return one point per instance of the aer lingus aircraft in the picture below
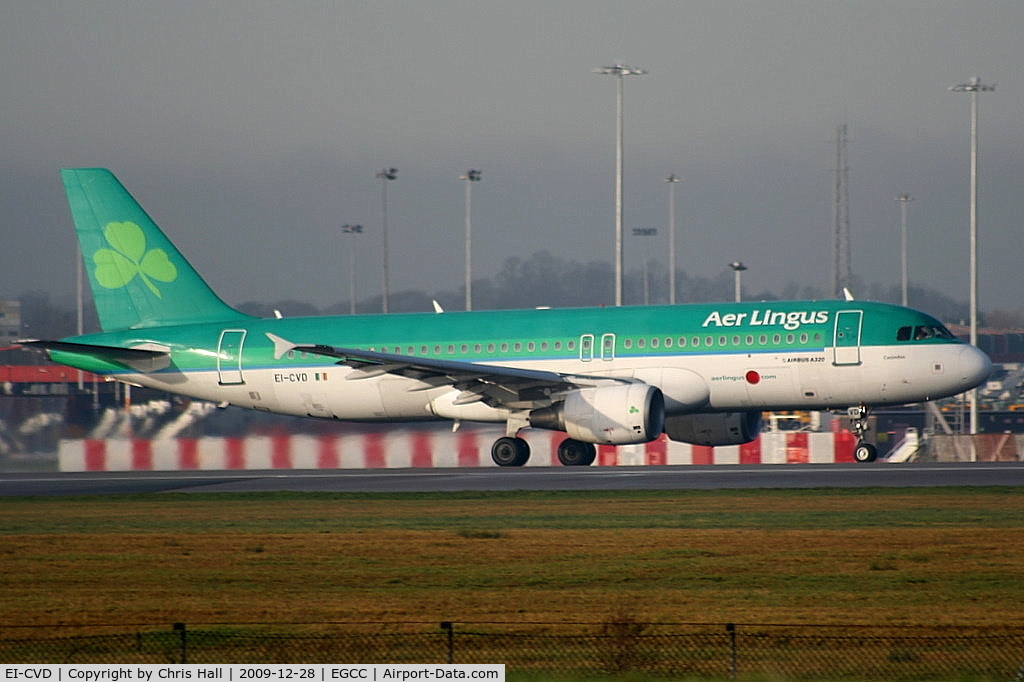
(701, 374)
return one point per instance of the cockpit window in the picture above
(932, 332)
(924, 332)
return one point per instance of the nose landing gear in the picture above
(862, 452)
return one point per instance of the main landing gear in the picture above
(862, 452)
(512, 451)
(576, 453)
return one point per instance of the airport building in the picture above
(10, 322)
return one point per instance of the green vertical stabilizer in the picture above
(138, 278)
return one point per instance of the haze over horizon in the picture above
(251, 131)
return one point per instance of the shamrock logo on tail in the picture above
(117, 267)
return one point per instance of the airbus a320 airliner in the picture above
(701, 374)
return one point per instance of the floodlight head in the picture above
(973, 85)
(738, 266)
(620, 70)
(673, 178)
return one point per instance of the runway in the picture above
(526, 478)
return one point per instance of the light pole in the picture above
(384, 175)
(619, 71)
(352, 230)
(646, 232)
(737, 268)
(903, 199)
(974, 86)
(79, 297)
(672, 181)
(470, 177)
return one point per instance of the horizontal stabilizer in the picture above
(281, 346)
(149, 359)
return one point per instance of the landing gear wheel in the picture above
(576, 453)
(865, 452)
(510, 452)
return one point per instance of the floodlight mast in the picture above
(672, 181)
(619, 71)
(974, 86)
(384, 175)
(470, 177)
(737, 269)
(352, 230)
(904, 285)
(646, 232)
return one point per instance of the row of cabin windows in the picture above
(711, 341)
(904, 334)
(628, 344)
(516, 347)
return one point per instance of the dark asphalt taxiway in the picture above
(526, 478)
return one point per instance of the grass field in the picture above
(915, 557)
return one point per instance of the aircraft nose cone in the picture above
(975, 367)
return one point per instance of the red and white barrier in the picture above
(402, 448)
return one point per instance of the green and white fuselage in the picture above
(847, 354)
(700, 373)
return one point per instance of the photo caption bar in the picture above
(198, 672)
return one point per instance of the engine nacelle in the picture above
(612, 415)
(720, 428)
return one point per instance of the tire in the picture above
(576, 453)
(865, 452)
(510, 452)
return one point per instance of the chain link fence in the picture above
(622, 648)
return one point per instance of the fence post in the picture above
(180, 627)
(450, 627)
(731, 629)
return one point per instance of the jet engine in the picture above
(613, 415)
(719, 428)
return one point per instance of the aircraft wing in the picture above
(494, 385)
(143, 359)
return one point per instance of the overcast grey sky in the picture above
(252, 129)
